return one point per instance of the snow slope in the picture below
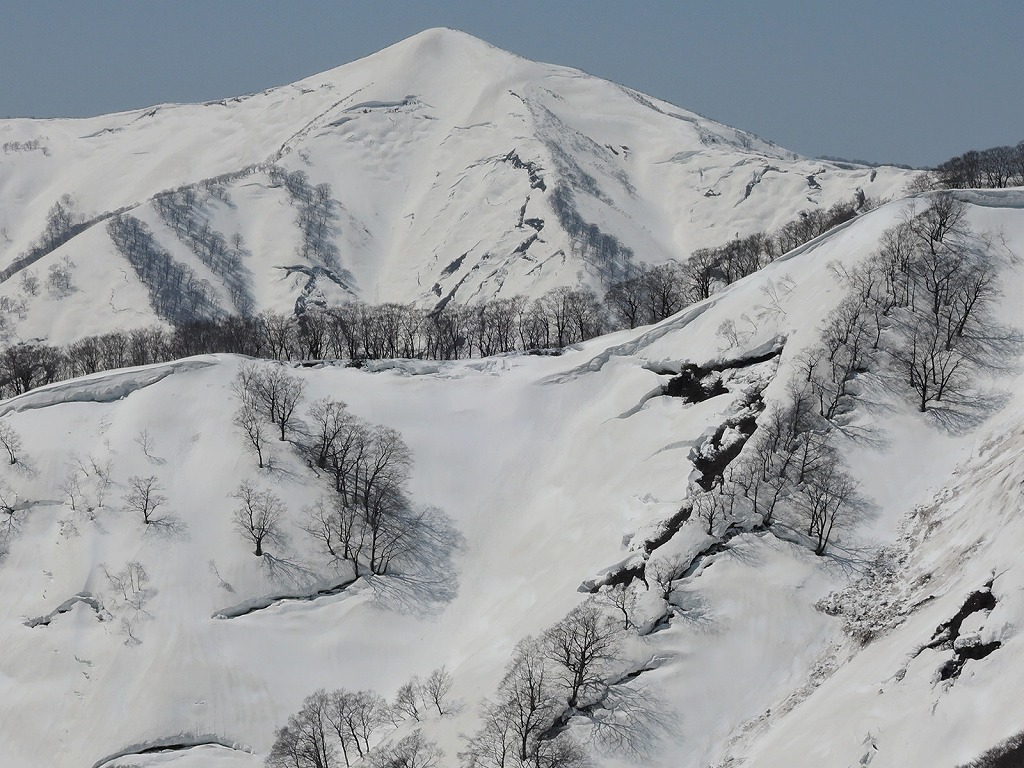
(456, 170)
(550, 470)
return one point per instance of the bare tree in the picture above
(412, 751)
(356, 717)
(11, 441)
(145, 441)
(829, 494)
(582, 645)
(9, 518)
(285, 392)
(408, 698)
(710, 509)
(623, 599)
(271, 389)
(144, 496)
(436, 688)
(663, 572)
(259, 515)
(305, 741)
(516, 727)
(248, 420)
(130, 586)
(329, 420)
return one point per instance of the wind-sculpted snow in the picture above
(205, 749)
(636, 345)
(992, 198)
(262, 603)
(104, 387)
(82, 598)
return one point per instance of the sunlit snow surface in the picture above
(547, 466)
(457, 170)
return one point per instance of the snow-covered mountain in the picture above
(900, 647)
(453, 170)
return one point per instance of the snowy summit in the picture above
(453, 409)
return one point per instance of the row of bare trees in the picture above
(316, 215)
(186, 212)
(995, 167)
(921, 304)
(359, 331)
(923, 300)
(176, 292)
(63, 221)
(368, 520)
(652, 294)
(548, 680)
(567, 670)
(350, 727)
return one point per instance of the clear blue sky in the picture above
(911, 81)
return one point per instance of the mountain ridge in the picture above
(454, 171)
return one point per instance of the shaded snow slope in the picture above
(551, 471)
(455, 170)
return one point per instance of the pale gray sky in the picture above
(909, 81)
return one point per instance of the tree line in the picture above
(995, 167)
(357, 331)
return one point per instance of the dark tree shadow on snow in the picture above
(631, 722)
(961, 413)
(426, 578)
(290, 571)
(167, 526)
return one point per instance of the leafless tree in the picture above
(11, 441)
(710, 509)
(626, 301)
(305, 741)
(282, 393)
(329, 420)
(516, 727)
(663, 572)
(145, 441)
(58, 279)
(130, 586)
(144, 497)
(622, 598)
(259, 515)
(29, 282)
(412, 751)
(665, 291)
(356, 717)
(249, 420)
(829, 493)
(272, 389)
(9, 518)
(436, 688)
(582, 645)
(408, 699)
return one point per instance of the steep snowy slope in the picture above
(453, 170)
(547, 472)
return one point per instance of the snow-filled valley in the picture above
(142, 630)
